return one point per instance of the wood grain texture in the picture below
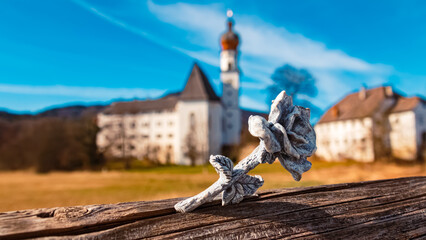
(384, 209)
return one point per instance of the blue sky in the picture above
(91, 51)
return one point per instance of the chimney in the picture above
(388, 91)
(362, 93)
(335, 111)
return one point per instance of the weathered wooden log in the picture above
(384, 209)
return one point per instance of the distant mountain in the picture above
(61, 112)
(12, 116)
(72, 111)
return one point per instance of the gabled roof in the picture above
(406, 104)
(198, 87)
(353, 106)
(137, 106)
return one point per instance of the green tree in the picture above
(298, 83)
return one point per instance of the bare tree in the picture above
(194, 147)
(191, 147)
(117, 138)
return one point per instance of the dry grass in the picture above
(23, 190)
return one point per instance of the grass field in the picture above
(23, 190)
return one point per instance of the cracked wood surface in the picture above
(384, 209)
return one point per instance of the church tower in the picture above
(230, 76)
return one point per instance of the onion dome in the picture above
(229, 40)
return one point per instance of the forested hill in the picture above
(56, 139)
(10, 116)
(61, 112)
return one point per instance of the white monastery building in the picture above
(371, 125)
(180, 128)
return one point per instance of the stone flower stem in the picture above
(243, 167)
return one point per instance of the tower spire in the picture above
(229, 13)
(230, 76)
(229, 40)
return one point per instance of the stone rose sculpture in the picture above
(287, 135)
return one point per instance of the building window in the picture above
(158, 135)
(170, 135)
(159, 123)
(171, 123)
(132, 125)
(144, 136)
(145, 124)
(192, 120)
(229, 126)
(131, 146)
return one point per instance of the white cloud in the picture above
(116, 21)
(264, 47)
(95, 93)
(249, 103)
(260, 39)
(202, 20)
(254, 85)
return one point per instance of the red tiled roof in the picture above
(138, 106)
(353, 106)
(406, 104)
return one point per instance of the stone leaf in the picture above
(223, 166)
(245, 186)
(250, 184)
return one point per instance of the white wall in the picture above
(215, 128)
(348, 139)
(420, 112)
(139, 134)
(228, 60)
(407, 132)
(201, 111)
(162, 135)
(403, 135)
